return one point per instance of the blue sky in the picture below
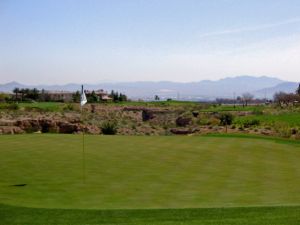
(63, 41)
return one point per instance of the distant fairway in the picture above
(132, 172)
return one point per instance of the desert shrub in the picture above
(109, 127)
(257, 111)
(10, 106)
(203, 121)
(225, 119)
(250, 122)
(4, 97)
(68, 107)
(285, 132)
(283, 129)
(297, 136)
(214, 121)
(294, 131)
(207, 120)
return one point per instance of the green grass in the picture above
(254, 136)
(290, 118)
(44, 106)
(224, 108)
(157, 103)
(220, 216)
(54, 105)
(149, 180)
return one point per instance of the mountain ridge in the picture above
(202, 90)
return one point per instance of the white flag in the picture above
(82, 97)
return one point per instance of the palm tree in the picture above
(16, 91)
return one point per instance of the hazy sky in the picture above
(63, 41)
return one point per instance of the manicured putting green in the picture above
(132, 172)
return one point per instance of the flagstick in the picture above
(83, 156)
(83, 147)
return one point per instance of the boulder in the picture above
(29, 125)
(48, 125)
(68, 128)
(195, 113)
(7, 122)
(147, 114)
(133, 108)
(92, 129)
(10, 130)
(183, 121)
(181, 131)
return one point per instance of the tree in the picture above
(93, 97)
(282, 98)
(44, 96)
(247, 97)
(4, 97)
(118, 97)
(226, 119)
(76, 96)
(122, 98)
(298, 90)
(156, 98)
(23, 92)
(32, 94)
(279, 98)
(16, 91)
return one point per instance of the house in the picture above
(101, 94)
(106, 98)
(59, 96)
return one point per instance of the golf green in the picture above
(143, 172)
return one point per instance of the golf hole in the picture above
(19, 185)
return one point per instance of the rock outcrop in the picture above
(183, 121)
(46, 126)
(182, 131)
(10, 130)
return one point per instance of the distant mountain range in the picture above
(203, 90)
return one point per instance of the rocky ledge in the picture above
(45, 126)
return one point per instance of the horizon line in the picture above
(146, 81)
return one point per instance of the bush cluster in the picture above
(109, 127)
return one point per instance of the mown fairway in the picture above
(148, 173)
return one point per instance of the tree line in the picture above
(94, 98)
(34, 94)
(286, 99)
(244, 100)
